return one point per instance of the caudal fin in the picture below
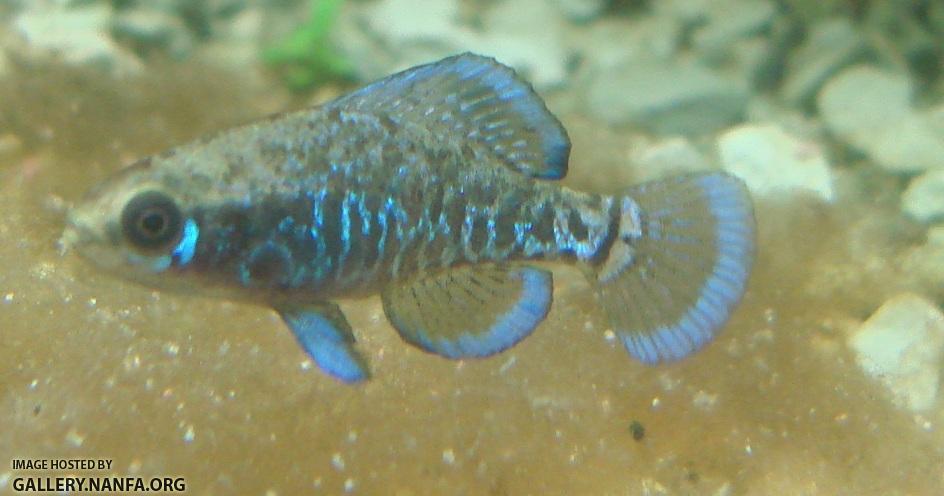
(679, 265)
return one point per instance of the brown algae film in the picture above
(436, 188)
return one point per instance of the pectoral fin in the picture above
(471, 311)
(324, 333)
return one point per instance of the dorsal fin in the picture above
(478, 100)
(469, 311)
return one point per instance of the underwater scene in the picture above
(497, 247)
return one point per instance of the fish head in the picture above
(137, 224)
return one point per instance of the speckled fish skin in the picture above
(402, 188)
(334, 204)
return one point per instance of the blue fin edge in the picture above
(511, 88)
(517, 323)
(331, 348)
(730, 206)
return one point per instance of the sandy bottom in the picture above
(219, 393)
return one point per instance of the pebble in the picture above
(189, 435)
(830, 46)
(386, 36)
(771, 161)
(154, 29)
(924, 198)
(923, 265)
(689, 12)
(526, 35)
(752, 60)
(667, 157)
(581, 10)
(731, 21)
(901, 345)
(75, 438)
(337, 461)
(237, 43)
(862, 100)
(704, 400)
(79, 35)
(413, 20)
(935, 117)
(936, 236)
(870, 110)
(412, 32)
(908, 145)
(666, 97)
(642, 37)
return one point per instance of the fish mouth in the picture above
(73, 235)
(68, 239)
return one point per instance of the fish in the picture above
(438, 189)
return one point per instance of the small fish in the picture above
(434, 187)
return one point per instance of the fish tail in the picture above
(678, 265)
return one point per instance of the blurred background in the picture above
(826, 380)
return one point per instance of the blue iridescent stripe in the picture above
(185, 249)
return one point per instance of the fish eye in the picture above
(151, 221)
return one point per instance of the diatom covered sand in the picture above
(219, 393)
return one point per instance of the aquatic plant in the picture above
(308, 57)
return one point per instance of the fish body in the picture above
(435, 188)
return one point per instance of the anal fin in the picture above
(470, 311)
(324, 333)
